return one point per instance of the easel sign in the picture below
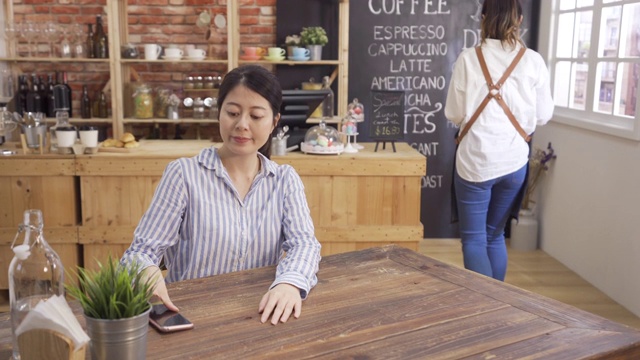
(387, 117)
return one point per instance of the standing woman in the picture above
(233, 209)
(497, 109)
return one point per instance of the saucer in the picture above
(171, 58)
(197, 58)
(250, 57)
(302, 58)
(280, 58)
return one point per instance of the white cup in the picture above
(196, 53)
(173, 53)
(66, 138)
(89, 138)
(152, 51)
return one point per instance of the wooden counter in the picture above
(357, 200)
(48, 183)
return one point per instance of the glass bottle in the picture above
(327, 104)
(198, 108)
(90, 44)
(100, 41)
(23, 89)
(35, 273)
(68, 93)
(103, 110)
(62, 107)
(51, 100)
(34, 101)
(85, 103)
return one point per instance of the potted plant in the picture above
(291, 41)
(314, 38)
(116, 304)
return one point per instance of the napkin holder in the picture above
(47, 344)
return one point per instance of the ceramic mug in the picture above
(252, 51)
(300, 52)
(276, 52)
(196, 53)
(66, 136)
(173, 53)
(189, 47)
(89, 136)
(152, 51)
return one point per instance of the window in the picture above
(593, 49)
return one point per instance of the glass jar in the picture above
(188, 82)
(35, 273)
(322, 139)
(198, 82)
(198, 108)
(208, 82)
(142, 102)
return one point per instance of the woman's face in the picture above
(246, 121)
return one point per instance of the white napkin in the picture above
(55, 314)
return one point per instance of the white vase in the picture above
(315, 52)
(524, 233)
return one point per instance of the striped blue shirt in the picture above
(200, 225)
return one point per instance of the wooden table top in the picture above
(383, 303)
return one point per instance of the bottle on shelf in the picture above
(62, 107)
(91, 53)
(50, 98)
(68, 93)
(42, 88)
(34, 100)
(35, 273)
(100, 41)
(85, 104)
(327, 104)
(23, 90)
(103, 109)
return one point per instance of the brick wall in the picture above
(149, 21)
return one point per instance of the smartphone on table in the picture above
(166, 320)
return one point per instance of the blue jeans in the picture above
(483, 210)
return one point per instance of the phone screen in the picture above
(166, 320)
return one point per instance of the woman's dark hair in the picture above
(259, 80)
(501, 21)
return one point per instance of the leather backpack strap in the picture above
(494, 93)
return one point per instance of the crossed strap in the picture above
(494, 93)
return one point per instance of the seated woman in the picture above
(232, 209)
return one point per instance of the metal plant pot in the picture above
(315, 52)
(122, 339)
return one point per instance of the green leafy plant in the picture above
(313, 35)
(114, 291)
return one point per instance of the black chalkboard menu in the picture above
(411, 46)
(387, 115)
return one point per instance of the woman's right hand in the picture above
(159, 286)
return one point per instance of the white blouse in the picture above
(493, 147)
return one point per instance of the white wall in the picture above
(589, 209)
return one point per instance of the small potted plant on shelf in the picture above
(291, 42)
(115, 300)
(314, 38)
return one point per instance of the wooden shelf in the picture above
(87, 121)
(291, 62)
(54, 60)
(161, 61)
(169, 121)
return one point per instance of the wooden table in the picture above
(383, 303)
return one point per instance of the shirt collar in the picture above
(497, 44)
(209, 159)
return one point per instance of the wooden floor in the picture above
(540, 273)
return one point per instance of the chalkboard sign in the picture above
(411, 46)
(387, 115)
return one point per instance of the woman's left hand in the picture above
(282, 300)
